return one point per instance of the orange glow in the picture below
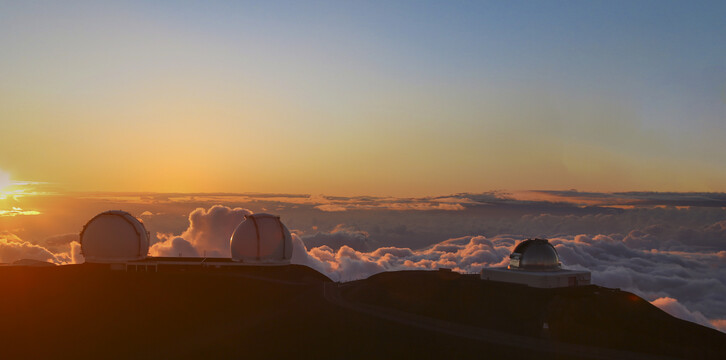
(11, 192)
(584, 200)
(15, 211)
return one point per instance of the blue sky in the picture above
(367, 97)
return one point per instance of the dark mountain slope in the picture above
(272, 312)
(586, 315)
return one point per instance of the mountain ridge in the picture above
(87, 311)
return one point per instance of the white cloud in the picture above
(696, 279)
(208, 233)
(466, 254)
(673, 307)
(13, 248)
(76, 256)
(339, 236)
(172, 246)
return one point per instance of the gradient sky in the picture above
(384, 98)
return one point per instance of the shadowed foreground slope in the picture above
(593, 317)
(271, 312)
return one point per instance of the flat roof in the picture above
(185, 259)
(536, 273)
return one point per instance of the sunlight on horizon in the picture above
(10, 193)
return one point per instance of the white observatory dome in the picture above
(114, 236)
(261, 238)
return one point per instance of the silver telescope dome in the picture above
(534, 254)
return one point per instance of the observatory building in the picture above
(535, 263)
(114, 237)
(261, 239)
(120, 241)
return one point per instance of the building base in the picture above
(537, 279)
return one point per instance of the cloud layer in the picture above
(62, 250)
(208, 234)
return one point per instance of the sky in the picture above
(405, 98)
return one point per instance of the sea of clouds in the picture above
(673, 255)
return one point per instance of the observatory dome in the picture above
(261, 238)
(114, 236)
(534, 254)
